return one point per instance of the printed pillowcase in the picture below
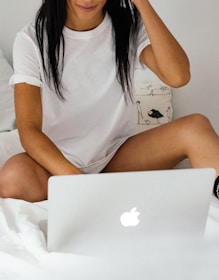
(153, 105)
(7, 114)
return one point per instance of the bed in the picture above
(23, 251)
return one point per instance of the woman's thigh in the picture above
(165, 146)
(23, 178)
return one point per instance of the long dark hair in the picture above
(50, 21)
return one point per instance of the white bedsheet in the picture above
(23, 253)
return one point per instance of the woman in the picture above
(74, 102)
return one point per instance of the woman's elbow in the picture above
(180, 79)
(27, 138)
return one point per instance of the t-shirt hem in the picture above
(16, 79)
(98, 166)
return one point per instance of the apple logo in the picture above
(130, 218)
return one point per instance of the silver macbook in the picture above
(121, 212)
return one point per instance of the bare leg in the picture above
(167, 145)
(159, 148)
(21, 177)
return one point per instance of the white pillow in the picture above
(7, 114)
(153, 104)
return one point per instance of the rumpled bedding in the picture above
(23, 253)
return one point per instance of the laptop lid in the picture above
(100, 213)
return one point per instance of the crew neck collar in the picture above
(84, 34)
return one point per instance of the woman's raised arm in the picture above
(165, 57)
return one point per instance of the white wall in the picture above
(195, 24)
(14, 14)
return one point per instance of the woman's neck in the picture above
(76, 24)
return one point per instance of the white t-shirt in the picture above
(94, 120)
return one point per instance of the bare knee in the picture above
(196, 119)
(9, 183)
(194, 126)
(194, 133)
(22, 178)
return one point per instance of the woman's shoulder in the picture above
(28, 31)
(26, 36)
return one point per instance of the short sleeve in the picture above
(26, 59)
(142, 42)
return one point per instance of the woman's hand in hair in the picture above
(165, 57)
